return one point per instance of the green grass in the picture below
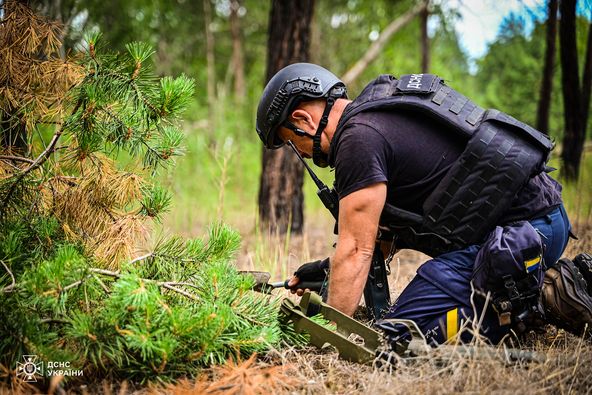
(577, 196)
(218, 178)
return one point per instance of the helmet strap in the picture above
(297, 131)
(318, 156)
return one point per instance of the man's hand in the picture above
(359, 213)
(311, 272)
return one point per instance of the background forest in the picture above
(222, 44)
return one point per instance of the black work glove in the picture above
(313, 271)
(310, 275)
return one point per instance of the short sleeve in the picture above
(362, 159)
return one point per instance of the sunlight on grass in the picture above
(577, 195)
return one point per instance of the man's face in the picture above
(302, 143)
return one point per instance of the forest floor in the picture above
(566, 369)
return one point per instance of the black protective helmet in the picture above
(290, 86)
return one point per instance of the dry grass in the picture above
(566, 370)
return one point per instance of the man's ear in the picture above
(305, 118)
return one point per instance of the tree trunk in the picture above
(238, 63)
(425, 40)
(573, 139)
(280, 195)
(587, 80)
(374, 50)
(544, 105)
(316, 43)
(211, 66)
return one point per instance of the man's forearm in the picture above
(347, 279)
(359, 213)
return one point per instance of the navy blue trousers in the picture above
(438, 298)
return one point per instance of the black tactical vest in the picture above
(500, 157)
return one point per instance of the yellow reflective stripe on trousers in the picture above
(451, 323)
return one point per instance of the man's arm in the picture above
(359, 213)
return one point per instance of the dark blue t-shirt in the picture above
(411, 153)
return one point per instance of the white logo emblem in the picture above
(30, 369)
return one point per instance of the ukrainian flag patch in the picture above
(532, 264)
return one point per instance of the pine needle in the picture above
(117, 243)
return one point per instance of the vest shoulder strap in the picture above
(424, 93)
(429, 95)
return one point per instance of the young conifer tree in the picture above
(72, 216)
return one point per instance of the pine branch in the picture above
(156, 201)
(165, 256)
(135, 87)
(8, 288)
(74, 284)
(251, 320)
(154, 152)
(37, 162)
(17, 158)
(184, 293)
(166, 284)
(106, 272)
(150, 150)
(141, 258)
(14, 167)
(102, 284)
(178, 283)
(43, 156)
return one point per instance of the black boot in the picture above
(566, 300)
(584, 264)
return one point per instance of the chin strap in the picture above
(319, 157)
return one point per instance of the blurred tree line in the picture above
(224, 45)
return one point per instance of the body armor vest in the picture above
(500, 157)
